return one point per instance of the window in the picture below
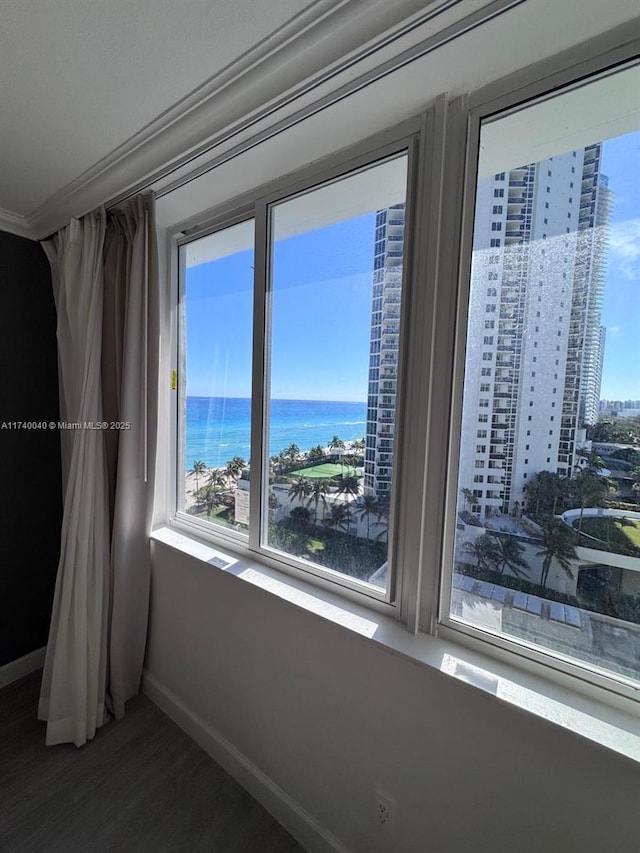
(341, 499)
(215, 435)
(327, 436)
(304, 474)
(566, 592)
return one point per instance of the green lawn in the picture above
(325, 471)
(334, 549)
(221, 515)
(612, 530)
(632, 532)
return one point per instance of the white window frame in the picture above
(411, 138)
(538, 83)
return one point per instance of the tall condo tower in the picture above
(383, 353)
(535, 343)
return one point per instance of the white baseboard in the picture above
(25, 665)
(304, 828)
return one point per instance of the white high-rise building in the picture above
(535, 344)
(383, 352)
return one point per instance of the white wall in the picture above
(327, 715)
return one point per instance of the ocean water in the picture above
(219, 428)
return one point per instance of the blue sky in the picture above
(621, 302)
(322, 305)
(322, 284)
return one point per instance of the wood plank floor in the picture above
(141, 785)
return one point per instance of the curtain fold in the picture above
(105, 276)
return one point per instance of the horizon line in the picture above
(279, 399)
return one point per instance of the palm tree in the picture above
(274, 503)
(283, 461)
(237, 465)
(486, 551)
(300, 489)
(590, 490)
(383, 518)
(337, 444)
(367, 507)
(216, 479)
(230, 472)
(338, 517)
(319, 488)
(293, 453)
(511, 552)
(349, 485)
(558, 540)
(315, 454)
(199, 468)
(467, 496)
(210, 496)
(350, 460)
(594, 462)
(358, 444)
(544, 491)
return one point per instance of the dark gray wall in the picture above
(30, 487)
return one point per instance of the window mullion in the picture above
(259, 372)
(445, 214)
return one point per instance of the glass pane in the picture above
(547, 546)
(215, 382)
(336, 283)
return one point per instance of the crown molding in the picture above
(14, 223)
(318, 43)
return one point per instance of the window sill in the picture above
(590, 717)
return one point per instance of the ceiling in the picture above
(80, 77)
(86, 82)
(100, 96)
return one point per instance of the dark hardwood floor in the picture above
(141, 785)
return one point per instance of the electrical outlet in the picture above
(384, 810)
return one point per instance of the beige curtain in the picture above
(105, 278)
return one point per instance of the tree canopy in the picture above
(616, 430)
